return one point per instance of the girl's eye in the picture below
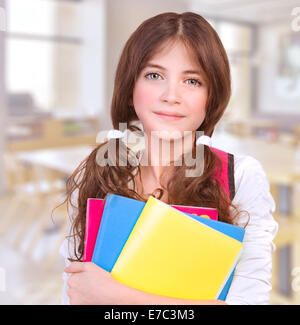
(196, 82)
(152, 74)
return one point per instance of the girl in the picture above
(173, 64)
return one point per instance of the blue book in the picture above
(119, 217)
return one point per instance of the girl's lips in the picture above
(169, 117)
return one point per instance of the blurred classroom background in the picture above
(57, 65)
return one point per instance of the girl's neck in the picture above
(160, 153)
(147, 182)
(156, 162)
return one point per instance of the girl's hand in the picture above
(89, 284)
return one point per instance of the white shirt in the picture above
(251, 283)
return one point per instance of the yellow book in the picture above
(171, 254)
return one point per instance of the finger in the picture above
(75, 267)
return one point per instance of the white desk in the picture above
(64, 160)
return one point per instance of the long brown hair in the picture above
(90, 180)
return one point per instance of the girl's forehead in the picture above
(168, 49)
(170, 45)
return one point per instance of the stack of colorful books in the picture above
(170, 250)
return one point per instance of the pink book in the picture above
(94, 211)
(210, 213)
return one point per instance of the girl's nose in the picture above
(171, 92)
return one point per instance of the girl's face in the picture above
(170, 84)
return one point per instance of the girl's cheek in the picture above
(144, 95)
(198, 103)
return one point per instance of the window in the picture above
(44, 52)
(45, 17)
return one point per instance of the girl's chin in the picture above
(165, 134)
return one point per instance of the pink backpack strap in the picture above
(226, 177)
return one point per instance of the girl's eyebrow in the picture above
(153, 65)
